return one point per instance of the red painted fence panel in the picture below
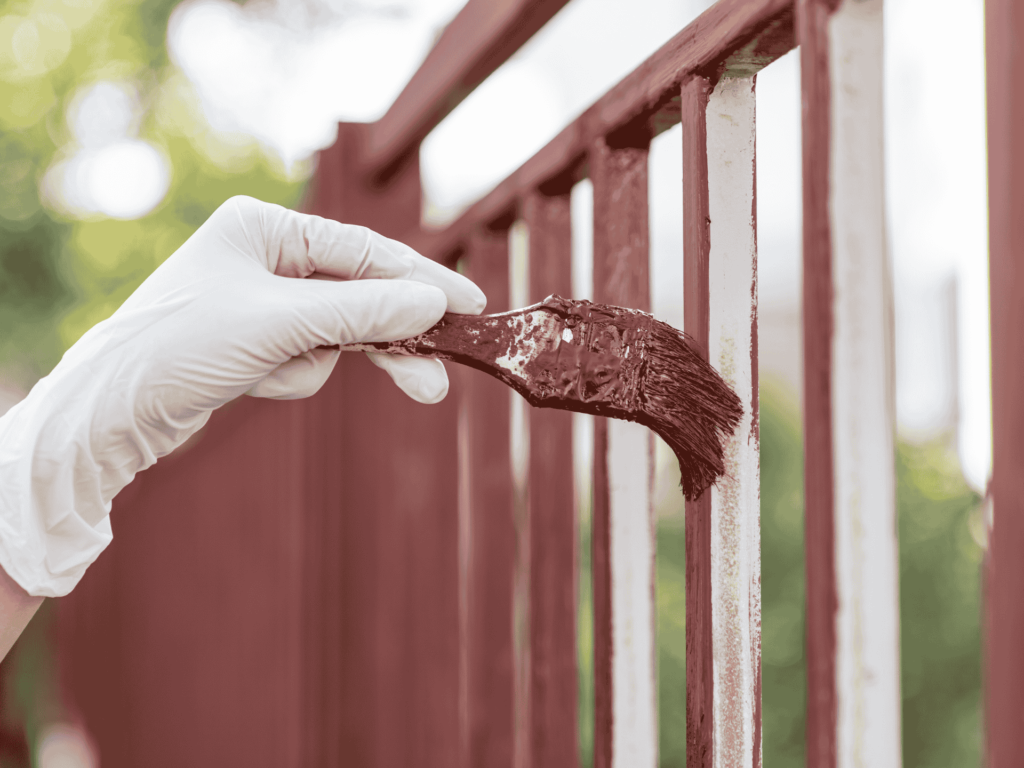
(178, 634)
(348, 598)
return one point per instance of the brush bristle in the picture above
(689, 405)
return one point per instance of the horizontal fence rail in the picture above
(732, 35)
(435, 604)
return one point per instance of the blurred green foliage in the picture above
(58, 275)
(940, 529)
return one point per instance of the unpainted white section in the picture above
(519, 435)
(465, 533)
(634, 682)
(863, 409)
(735, 499)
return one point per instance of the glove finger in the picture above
(301, 376)
(298, 315)
(292, 244)
(421, 378)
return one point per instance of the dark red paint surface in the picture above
(1004, 583)
(812, 30)
(172, 632)
(696, 252)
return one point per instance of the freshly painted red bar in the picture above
(1004, 662)
(621, 276)
(812, 34)
(553, 559)
(696, 252)
(491, 558)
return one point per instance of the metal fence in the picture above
(369, 619)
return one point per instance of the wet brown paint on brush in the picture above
(597, 359)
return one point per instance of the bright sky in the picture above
(285, 75)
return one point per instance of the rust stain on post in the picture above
(732, 344)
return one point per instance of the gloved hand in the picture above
(223, 316)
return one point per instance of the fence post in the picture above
(723, 563)
(625, 690)
(553, 557)
(489, 531)
(696, 254)
(386, 581)
(849, 420)
(732, 349)
(1004, 577)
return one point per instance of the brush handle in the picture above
(558, 353)
(509, 345)
(483, 341)
(454, 336)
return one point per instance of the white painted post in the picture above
(634, 672)
(735, 500)
(863, 410)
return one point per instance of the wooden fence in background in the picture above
(369, 619)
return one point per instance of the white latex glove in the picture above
(223, 316)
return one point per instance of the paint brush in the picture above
(598, 359)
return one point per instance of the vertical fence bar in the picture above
(491, 536)
(553, 680)
(819, 524)
(1004, 583)
(626, 728)
(853, 618)
(696, 255)
(735, 499)
(723, 560)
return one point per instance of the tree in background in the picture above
(61, 270)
